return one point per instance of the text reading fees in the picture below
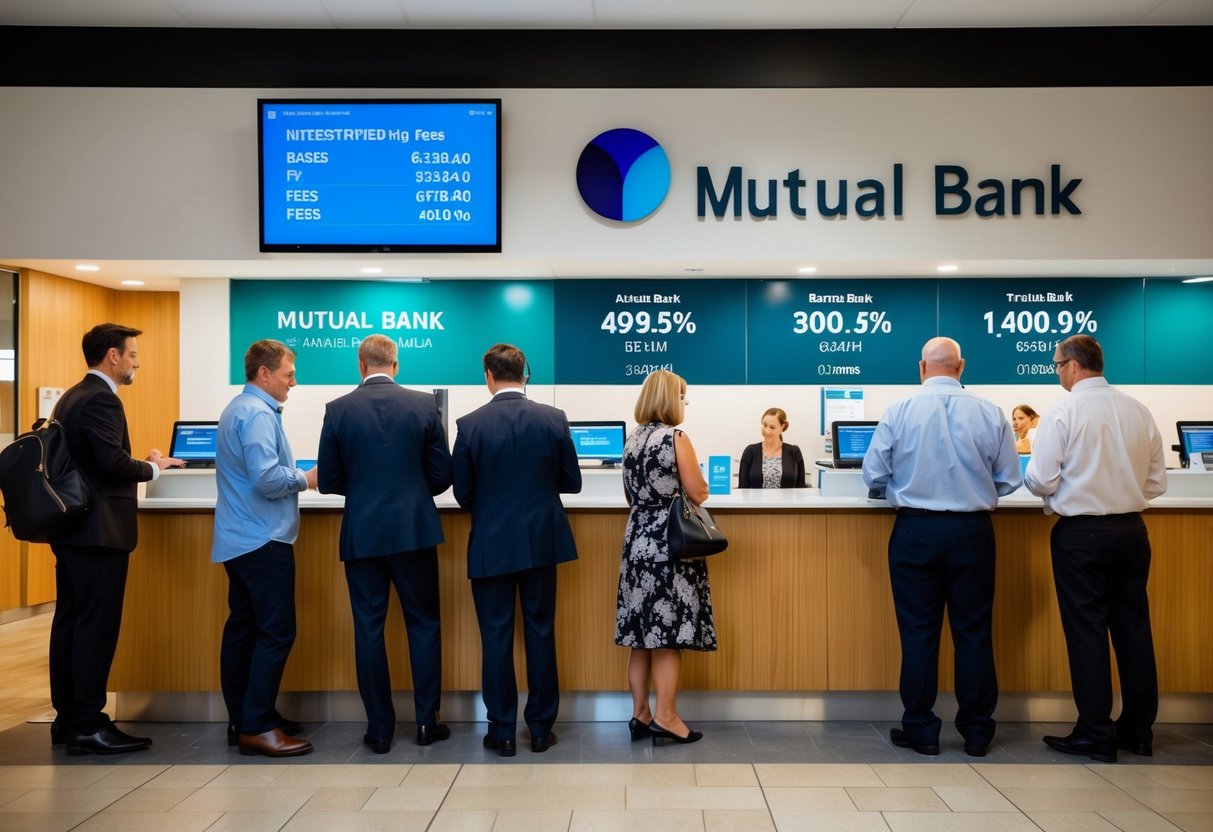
(1026, 322)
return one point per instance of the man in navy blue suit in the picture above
(384, 448)
(513, 459)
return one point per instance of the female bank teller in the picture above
(772, 463)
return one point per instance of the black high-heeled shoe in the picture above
(639, 729)
(660, 735)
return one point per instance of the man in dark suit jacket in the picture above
(91, 556)
(384, 448)
(513, 459)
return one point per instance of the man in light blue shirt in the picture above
(942, 458)
(256, 523)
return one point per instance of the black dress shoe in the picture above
(542, 744)
(1082, 746)
(975, 750)
(506, 748)
(638, 729)
(661, 735)
(427, 734)
(58, 733)
(1138, 747)
(899, 739)
(105, 740)
(377, 746)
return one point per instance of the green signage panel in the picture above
(1009, 328)
(1179, 339)
(442, 328)
(838, 331)
(619, 331)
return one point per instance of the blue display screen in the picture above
(853, 440)
(380, 175)
(1197, 439)
(194, 441)
(598, 441)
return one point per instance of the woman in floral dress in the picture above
(664, 604)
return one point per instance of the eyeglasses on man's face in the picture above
(1057, 365)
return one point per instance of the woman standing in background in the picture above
(772, 463)
(1023, 422)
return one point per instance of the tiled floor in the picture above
(742, 776)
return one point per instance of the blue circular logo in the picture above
(623, 175)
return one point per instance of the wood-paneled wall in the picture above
(55, 312)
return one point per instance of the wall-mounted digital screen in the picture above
(380, 176)
(600, 442)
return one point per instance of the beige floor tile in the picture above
(63, 800)
(248, 777)
(974, 799)
(1140, 822)
(795, 820)
(810, 799)
(577, 775)
(1192, 821)
(338, 799)
(52, 777)
(314, 777)
(888, 799)
(149, 800)
(1038, 799)
(694, 797)
(816, 774)
(954, 822)
(515, 820)
(251, 822)
(7, 795)
(1072, 822)
(437, 775)
(145, 822)
(1040, 776)
(130, 777)
(471, 820)
(359, 822)
(42, 822)
(214, 799)
(943, 774)
(686, 820)
(725, 775)
(738, 820)
(406, 799)
(1143, 777)
(185, 777)
(530, 798)
(1162, 800)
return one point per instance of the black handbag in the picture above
(44, 494)
(690, 531)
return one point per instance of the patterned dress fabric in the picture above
(662, 603)
(772, 471)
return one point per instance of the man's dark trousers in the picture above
(1101, 565)
(938, 560)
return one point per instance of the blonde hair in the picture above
(661, 399)
(377, 351)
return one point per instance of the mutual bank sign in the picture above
(956, 194)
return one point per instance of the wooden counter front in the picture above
(801, 598)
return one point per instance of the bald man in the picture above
(942, 458)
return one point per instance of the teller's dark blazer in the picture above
(383, 447)
(95, 423)
(513, 458)
(749, 473)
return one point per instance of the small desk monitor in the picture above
(598, 443)
(1195, 438)
(195, 442)
(850, 441)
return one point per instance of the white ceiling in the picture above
(591, 14)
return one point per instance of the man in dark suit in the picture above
(91, 556)
(513, 459)
(384, 448)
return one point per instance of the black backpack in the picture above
(44, 494)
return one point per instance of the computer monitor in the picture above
(599, 443)
(1195, 438)
(195, 442)
(850, 441)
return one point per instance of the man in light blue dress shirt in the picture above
(256, 523)
(942, 458)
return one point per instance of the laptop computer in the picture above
(849, 442)
(195, 442)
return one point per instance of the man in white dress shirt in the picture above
(1097, 461)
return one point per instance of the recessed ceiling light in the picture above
(372, 270)
(807, 269)
(1199, 280)
(132, 283)
(946, 268)
(86, 267)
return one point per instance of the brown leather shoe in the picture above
(273, 743)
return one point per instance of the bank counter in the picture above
(804, 613)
